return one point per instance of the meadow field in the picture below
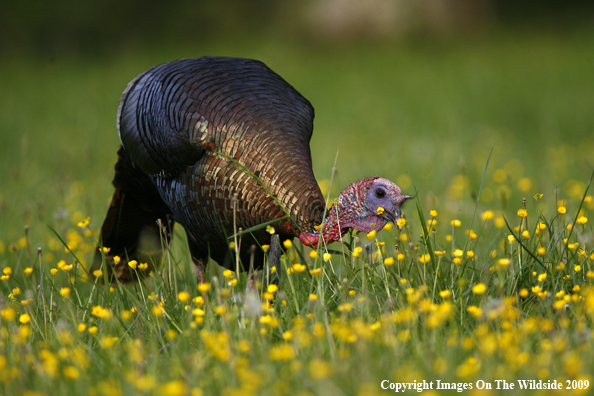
(487, 283)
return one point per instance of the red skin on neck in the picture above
(348, 212)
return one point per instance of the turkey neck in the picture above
(340, 217)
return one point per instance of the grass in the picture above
(467, 290)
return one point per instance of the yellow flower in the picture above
(270, 230)
(198, 312)
(71, 372)
(327, 257)
(108, 342)
(65, 292)
(281, 352)
(388, 226)
(445, 293)
(143, 266)
(288, 244)
(158, 311)
(456, 223)
(67, 267)
(425, 258)
(315, 271)
(475, 311)
(81, 327)
(479, 288)
(313, 254)
(536, 289)
(541, 251)
(487, 215)
(105, 250)
(504, 262)
(8, 314)
(7, 271)
(582, 220)
(401, 222)
(204, 287)
(358, 250)
(524, 184)
(525, 234)
(458, 253)
(511, 238)
(24, 318)
(400, 257)
(562, 209)
(524, 293)
(173, 388)
(93, 330)
(28, 271)
(538, 197)
(371, 234)
(84, 223)
(231, 245)
(313, 297)
(299, 267)
(116, 260)
(272, 288)
(577, 268)
(227, 274)
(470, 254)
(265, 248)
(319, 369)
(352, 292)
(54, 271)
(97, 273)
(133, 264)
(542, 277)
(433, 213)
(522, 213)
(389, 261)
(101, 312)
(380, 210)
(472, 235)
(183, 296)
(500, 222)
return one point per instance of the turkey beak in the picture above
(394, 214)
(402, 199)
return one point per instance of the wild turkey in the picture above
(189, 130)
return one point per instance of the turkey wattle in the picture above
(175, 119)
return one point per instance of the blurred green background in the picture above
(418, 92)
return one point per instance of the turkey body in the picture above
(188, 128)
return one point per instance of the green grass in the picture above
(425, 115)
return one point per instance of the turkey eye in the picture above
(380, 193)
